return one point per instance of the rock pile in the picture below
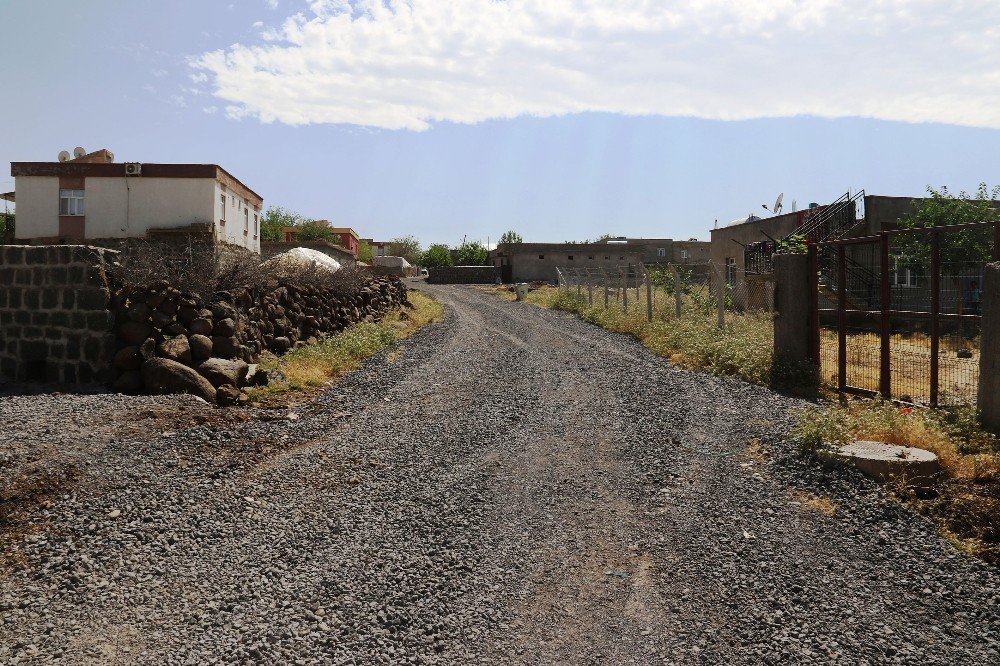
(175, 342)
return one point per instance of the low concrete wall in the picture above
(56, 322)
(989, 356)
(463, 275)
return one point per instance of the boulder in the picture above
(129, 382)
(161, 375)
(221, 371)
(281, 344)
(147, 349)
(134, 332)
(227, 395)
(225, 328)
(128, 358)
(224, 347)
(176, 349)
(174, 329)
(200, 326)
(201, 346)
(139, 312)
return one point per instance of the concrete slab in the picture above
(888, 461)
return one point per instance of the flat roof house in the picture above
(93, 198)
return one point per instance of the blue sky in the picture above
(562, 120)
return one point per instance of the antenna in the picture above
(794, 206)
(79, 151)
(777, 203)
(64, 156)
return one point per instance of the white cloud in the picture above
(258, 24)
(405, 64)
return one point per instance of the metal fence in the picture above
(672, 290)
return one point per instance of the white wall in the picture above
(236, 221)
(120, 207)
(37, 206)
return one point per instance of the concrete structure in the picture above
(888, 462)
(56, 323)
(463, 275)
(348, 239)
(989, 356)
(793, 345)
(95, 199)
(529, 262)
(397, 266)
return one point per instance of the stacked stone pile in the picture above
(176, 342)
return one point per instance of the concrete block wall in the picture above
(989, 355)
(463, 275)
(55, 321)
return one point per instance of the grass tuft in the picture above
(319, 364)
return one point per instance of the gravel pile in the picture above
(513, 486)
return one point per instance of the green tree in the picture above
(472, 254)
(510, 236)
(407, 247)
(435, 256)
(960, 249)
(365, 252)
(6, 228)
(274, 219)
(312, 231)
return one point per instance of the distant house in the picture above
(93, 198)
(526, 262)
(378, 247)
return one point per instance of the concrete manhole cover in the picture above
(889, 461)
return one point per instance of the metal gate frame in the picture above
(885, 313)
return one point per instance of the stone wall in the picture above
(463, 275)
(56, 323)
(989, 354)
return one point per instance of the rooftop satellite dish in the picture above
(64, 155)
(777, 203)
(79, 151)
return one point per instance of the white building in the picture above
(93, 198)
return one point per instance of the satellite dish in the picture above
(64, 155)
(79, 151)
(777, 203)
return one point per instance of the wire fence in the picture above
(677, 290)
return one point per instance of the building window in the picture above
(591, 257)
(731, 271)
(222, 207)
(684, 255)
(661, 251)
(246, 221)
(571, 257)
(902, 276)
(71, 202)
(607, 258)
(541, 256)
(256, 222)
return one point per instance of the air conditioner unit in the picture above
(133, 169)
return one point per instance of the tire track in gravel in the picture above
(515, 487)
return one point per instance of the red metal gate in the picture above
(897, 314)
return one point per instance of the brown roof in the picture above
(73, 169)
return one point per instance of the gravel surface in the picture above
(513, 486)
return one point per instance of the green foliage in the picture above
(472, 254)
(942, 209)
(435, 256)
(313, 231)
(407, 247)
(276, 217)
(365, 252)
(6, 227)
(510, 236)
(793, 244)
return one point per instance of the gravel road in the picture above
(511, 486)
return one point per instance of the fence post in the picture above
(885, 351)
(604, 279)
(793, 321)
(677, 291)
(989, 353)
(720, 300)
(649, 295)
(935, 313)
(624, 285)
(590, 288)
(841, 317)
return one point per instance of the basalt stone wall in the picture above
(56, 318)
(463, 275)
(175, 341)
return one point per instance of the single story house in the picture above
(92, 198)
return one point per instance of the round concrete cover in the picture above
(888, 460)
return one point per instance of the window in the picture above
(684, 255)
(591, 257)
(222, 208)
(731, 271)
(607, 258)
(246, 221)
(255, 225)
(661, 251)
(571, 257)
(71, 202)
(902, 276)
(541, 256)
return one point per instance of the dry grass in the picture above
(322, 363)
(810, 502)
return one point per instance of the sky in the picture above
(560, 119)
